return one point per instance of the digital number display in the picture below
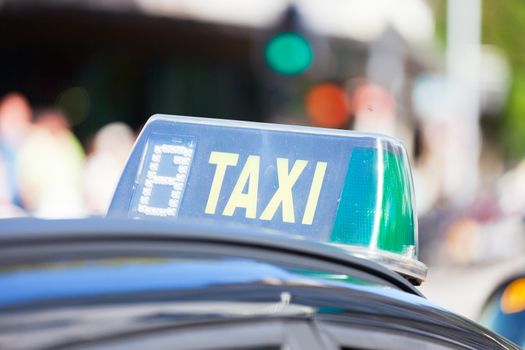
(162, 180)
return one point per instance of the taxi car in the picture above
(234, 235)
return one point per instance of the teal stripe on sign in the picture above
(355, 215)
(354, 221)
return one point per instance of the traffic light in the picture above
(288, 51)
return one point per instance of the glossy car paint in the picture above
(49, 267)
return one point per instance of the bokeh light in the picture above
(328, 106)
(74, 103)
(374, 109)
(289, 53)
(372, 100)
(513, 297)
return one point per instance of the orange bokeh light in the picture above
(328, 106)
(513, 297)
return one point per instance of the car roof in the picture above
(29, 232)
(390, 303)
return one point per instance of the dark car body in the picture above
(113, 284)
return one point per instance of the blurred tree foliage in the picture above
(503, 25)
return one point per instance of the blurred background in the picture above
(78, 79)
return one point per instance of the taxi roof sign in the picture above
(337, 187)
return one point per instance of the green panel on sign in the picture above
(376, 204)
(397, 224)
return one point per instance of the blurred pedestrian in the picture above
(50, 168)
(15, 125)
(104, 165)
(7, 208)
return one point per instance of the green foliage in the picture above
(513, 130)
(440, 11)
(504, 26)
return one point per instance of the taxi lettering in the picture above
(249, 178)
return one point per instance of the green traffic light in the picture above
(289, 53)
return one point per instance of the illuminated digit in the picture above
(181, 157)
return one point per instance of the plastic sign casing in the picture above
(338, 187)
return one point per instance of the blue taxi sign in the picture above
(338, 187)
